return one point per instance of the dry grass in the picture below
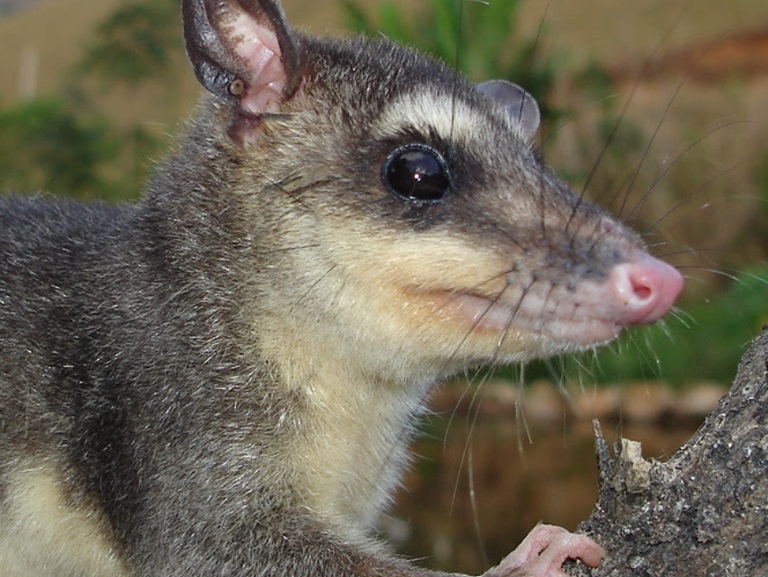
(614, 30)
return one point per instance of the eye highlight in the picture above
(417, 173)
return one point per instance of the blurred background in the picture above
(658, 109)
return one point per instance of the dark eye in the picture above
(417, 173)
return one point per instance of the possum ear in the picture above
(516, 102)
(243, 52)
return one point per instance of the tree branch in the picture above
(704, 512)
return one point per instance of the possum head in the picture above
(398, 214)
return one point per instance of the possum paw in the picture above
(543, 551)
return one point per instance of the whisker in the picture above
(317, 282)
(645, 67)
(646, 151)
(474, 411)
(689, 198)
(295, 193)
(521, 423)
(475, 513)
(297, 248)
(675, 161)
(532, 55)
(491, 303)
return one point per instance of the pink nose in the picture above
(646, 288)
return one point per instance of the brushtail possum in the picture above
(223, 378)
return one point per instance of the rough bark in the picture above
(704, 512)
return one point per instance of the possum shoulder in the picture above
(48, 252)
(49, 217)
(37, 226)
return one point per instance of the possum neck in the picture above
(354, 429)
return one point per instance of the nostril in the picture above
(643, 292)
(648, 288)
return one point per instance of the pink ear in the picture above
(242, 51)
(264, 76)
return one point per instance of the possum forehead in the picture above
(449, 117)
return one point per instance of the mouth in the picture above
(554, 320)
(568, 317)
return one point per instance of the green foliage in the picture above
(60, 145)
(47, 145)
(61, 151)
(476, 37)
(611, 143)
(137, 42)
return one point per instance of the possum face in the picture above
(447, 237)
(432, 238)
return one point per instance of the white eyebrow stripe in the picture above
(452, 119)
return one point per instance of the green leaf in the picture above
(135, 42)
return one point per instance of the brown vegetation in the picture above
(737, 56)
